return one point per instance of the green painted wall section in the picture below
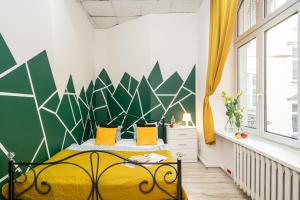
(151, 98)
(36, 123)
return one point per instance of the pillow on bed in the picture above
(118, 137)
(154, 124)
(106, 136)
(146, 135)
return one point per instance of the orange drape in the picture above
(222, 23)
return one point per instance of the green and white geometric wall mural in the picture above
(36, 123)
(150, 98)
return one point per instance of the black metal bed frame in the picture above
(172, 168)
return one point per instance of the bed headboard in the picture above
(127, 122)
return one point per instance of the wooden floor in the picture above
(202, 183)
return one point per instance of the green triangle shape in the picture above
(53, 102)
(99, 98)
(125, 80)
(155, 78)
(89, 92)
(104, 77)
(101, 115)
(84, 111)
(147, 97)
(183, 93)
(134, 112)
(135, 108)
(42, 155)
(122, 96)
(41, 77)
(78, 132)
(20, 115)
(171, 85)
(166, 100)
(83, 96)
(75, 107)
(191, 80)
(114, 108)
(16, 81)
(98, 84)
(65, 112)
(70, 86)
(86, 131)
(133, 85)
(68, 141)
(189, 105)
(6, 58)
(54, 130)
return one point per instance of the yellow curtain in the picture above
(222, 23)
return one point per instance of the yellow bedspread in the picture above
(119, 182)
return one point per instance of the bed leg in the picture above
(11, 179)
(179, 182)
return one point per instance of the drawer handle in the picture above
(182, 144)
(182, 134)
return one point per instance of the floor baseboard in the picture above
(207, 165)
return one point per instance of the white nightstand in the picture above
(184, 140)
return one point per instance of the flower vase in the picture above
(230, 126)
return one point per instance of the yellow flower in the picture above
(239, 94)
(223, 94)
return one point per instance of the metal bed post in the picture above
(11, 179)
(179, 181)
(164, 129)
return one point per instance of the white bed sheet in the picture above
(122, 145)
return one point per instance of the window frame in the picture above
(258, 31)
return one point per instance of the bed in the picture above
(88, 171)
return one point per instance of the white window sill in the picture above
(282, 154)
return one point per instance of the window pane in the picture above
(272, 5)
(281, 80)
(247, 81)
(246, 16)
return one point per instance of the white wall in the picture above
(135, 46)
(59, 26)
(219, 154)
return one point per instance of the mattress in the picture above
(122, 145)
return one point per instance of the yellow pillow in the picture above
(106, 136)
(146, 136)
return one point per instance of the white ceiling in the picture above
(108, 13)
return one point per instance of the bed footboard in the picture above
(171, 175)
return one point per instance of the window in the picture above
(247, 81)
(295, 120)
(294, 64)
(278, 65)
(272, 5)
(268, 68)
(246, 15)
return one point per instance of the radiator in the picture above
(261, 178)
